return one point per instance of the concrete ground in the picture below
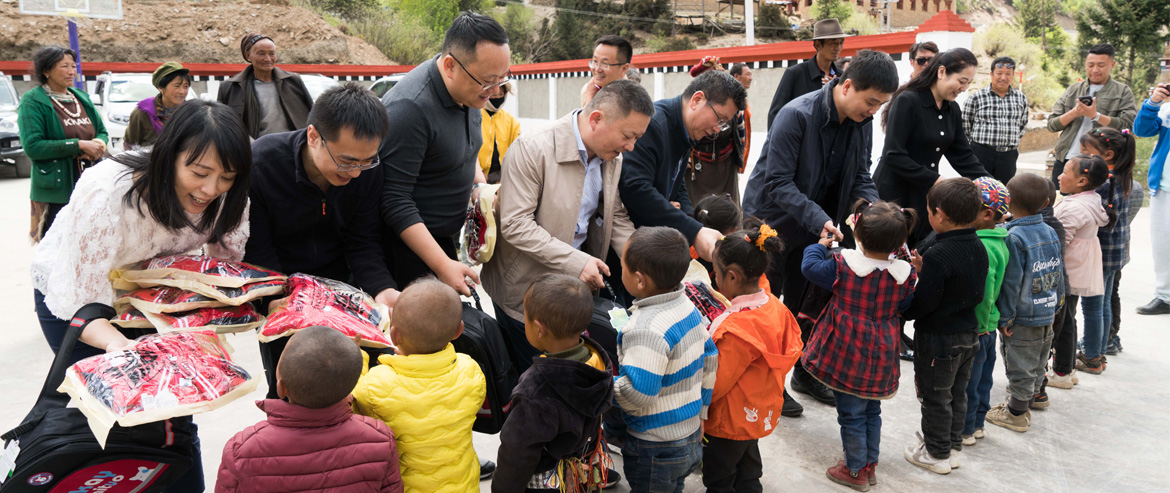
(1110, 433)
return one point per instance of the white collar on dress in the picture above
(863, 266)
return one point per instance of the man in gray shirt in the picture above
(1112, 105)
(430, 152)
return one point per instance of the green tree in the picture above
(832, 9)
(1136, 28)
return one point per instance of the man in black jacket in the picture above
(652, 186)
(812, 168)
(811, 74)
(315, 199)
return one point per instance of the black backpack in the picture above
(484, 342)
(601, 329)
(58, 452)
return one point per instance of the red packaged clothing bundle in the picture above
(316, 301)
(158, 377)
(221, 319)
(186, 271)
(166, 299)
(697, 285)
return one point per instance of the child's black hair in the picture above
(958, 198)
(1030, 192)
(750, 249)
(1053, 192)
(563, 303)
(1124, 156)
(660, 253)
(882, 227)
(718, 212)
(1094, 169)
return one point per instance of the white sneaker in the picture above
(1062, 381)
(918, 455)
(968, 440)
(979, 433)
(954, 459)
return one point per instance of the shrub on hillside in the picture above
(772, 23)
(401, 38)
(659, 44)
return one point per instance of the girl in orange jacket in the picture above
(759, 342)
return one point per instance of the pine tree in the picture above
(1137, 29)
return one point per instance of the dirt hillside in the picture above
(191, 32)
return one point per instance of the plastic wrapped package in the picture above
(477, 239)
(131, 318)
(697, 285)
(158, 377)
(221, 319)
(317, 301)
(184, 271)
(167, 299)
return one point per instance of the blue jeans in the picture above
(1096, 312)
(979, 387)
(55, 330)
(661, 467)
(861, 429)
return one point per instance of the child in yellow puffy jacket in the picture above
(427, 393)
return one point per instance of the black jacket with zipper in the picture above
(556, 413)
(297, 227)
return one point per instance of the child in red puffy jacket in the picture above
(312, 440)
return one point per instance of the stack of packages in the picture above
(317, 301)
(185, 368)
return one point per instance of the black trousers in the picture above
(1115, 326)
(1000, 164)
(942, 368)
(1057, 169)
(732, 466)
(1064, 341)
(405, 266)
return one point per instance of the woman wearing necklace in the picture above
(268, 100)
(61, 133)
(147, 120)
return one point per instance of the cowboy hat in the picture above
(828, 29)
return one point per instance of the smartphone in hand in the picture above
(1086, 100)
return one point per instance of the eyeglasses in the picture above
(594, 64)
(723, 123)
(923, 60)
(374, 161)
(483, 87)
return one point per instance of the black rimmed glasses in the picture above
(374, 161)
(723, 123)
(594, 64)
(483, 87)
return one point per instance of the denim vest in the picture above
(1033, 283)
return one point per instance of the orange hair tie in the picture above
(765, 233)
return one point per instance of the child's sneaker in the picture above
(954, 459)
(918, 455)
(840, 474)
(979, 433)
(871, 473)
(1062, 381)
(1001, 416)
(1112, 348)
(1040, 401)
(969, 440)
(1090, 365)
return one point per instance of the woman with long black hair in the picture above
(924, 123)
(189, 191)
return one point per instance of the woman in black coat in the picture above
(923, 123)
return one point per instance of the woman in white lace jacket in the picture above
(190, 190)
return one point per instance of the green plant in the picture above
(830, 9)
(529, 43)
(773, 23)
(401, 38)
(659, 44)
(860, 25)
(435, 15)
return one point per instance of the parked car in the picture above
(115, 96)
(383, 85)
(317, 84)
(11, 152)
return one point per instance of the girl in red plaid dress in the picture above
(854, 350)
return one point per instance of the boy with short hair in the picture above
(952, 278)
(995, 199)
(312, 430)
(1032, 288)
(557, 405)
(668, 364)
(427, 392)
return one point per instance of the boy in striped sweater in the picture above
(668, 364)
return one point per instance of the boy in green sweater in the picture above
(995, 206)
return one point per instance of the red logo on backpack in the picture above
(120, 476)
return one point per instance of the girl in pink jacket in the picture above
(1081, 213)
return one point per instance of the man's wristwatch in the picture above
(1097, 119)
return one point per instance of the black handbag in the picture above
(58, 452)
(483, 340)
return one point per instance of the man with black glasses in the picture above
(920, 55)
(430, 154)
(315, 200)
(611, 60)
